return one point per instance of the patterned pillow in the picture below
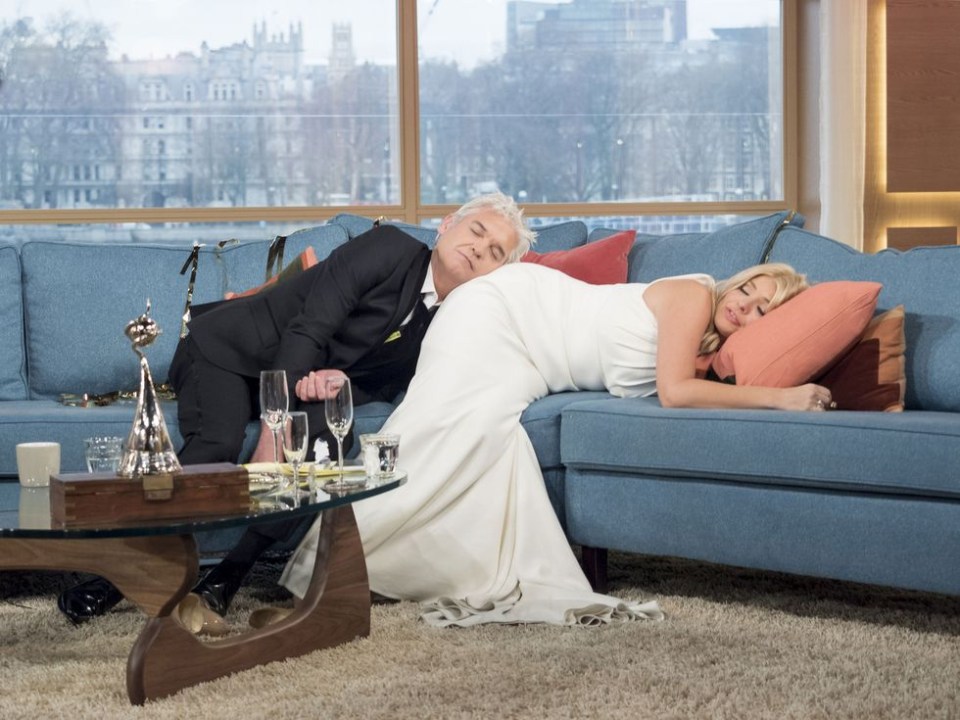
(797, 341)
(871, 376)
(601, 262)
(305, 260)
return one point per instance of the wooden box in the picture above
(104, 499)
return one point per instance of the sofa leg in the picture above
(594, 562)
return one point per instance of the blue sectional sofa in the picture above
(64, 306)
(863, 496)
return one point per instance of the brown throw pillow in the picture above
(871, 376)
(305, 260)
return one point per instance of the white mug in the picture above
(36, 462)
(35, 508)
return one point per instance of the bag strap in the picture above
(193, 261)
(275, 256)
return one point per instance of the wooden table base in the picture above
(156, 572)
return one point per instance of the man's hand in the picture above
(312, 387)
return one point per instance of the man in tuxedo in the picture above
(362, 312)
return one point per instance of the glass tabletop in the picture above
(25, 512)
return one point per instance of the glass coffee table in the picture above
(155, 564)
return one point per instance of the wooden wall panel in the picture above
(883, 207)
(923, 96)
(904, 238)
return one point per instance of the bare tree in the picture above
(59, 101)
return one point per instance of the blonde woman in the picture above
(472, 534)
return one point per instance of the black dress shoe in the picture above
(220, 585)
(88, 600)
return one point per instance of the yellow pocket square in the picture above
(395, 335)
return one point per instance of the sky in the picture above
(468, 31)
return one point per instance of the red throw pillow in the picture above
(872, 375)
(601, 262)
(797, 341)
(303, 261)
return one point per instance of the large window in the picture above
(165, 115)
(601, 100)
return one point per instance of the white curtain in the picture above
(843, 89)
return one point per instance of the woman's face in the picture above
(741, 306)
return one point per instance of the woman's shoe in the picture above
(194, 614)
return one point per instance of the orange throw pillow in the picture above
(795, 342)
(872, 375)
(601, 262)
(305, 260)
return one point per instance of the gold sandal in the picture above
(268, 616)
(194, 614)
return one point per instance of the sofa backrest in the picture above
(926, 280)
(13, 358)
(79, 297)
(358, 224)
(558, 236)
(244, 264)
(720, 253)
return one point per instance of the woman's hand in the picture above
(312, 387)
(807, 397)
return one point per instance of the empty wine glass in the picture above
(338, 406)
(274, 402)
(295, 436)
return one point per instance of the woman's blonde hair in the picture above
(789, 283)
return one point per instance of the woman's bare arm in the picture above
(683, 311)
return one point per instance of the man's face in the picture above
(473, 246)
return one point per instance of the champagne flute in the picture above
(295, 436)
(338, 407)
(274, 402)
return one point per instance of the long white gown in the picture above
(472, 534)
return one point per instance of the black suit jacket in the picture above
(330, 316)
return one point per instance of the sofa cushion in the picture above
(304, 261)
(244, 265)
(907, 453)
(720, 253)
(541, 422)
(797, 341)
(923, 280)
(871, 376)
(13, 364)
(559, 236)
(42, 420)
(603, 262)
(357, 225)
(79, 297)
(324, 239)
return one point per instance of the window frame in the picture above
(412, 210)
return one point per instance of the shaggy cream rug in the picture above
(735, 644)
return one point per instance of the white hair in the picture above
(504, 206)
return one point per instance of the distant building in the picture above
(221, 128)
(594, 23)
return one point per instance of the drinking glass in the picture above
(295, 436)
(339, 411)
(274, 402)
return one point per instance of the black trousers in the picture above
(214, 407)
